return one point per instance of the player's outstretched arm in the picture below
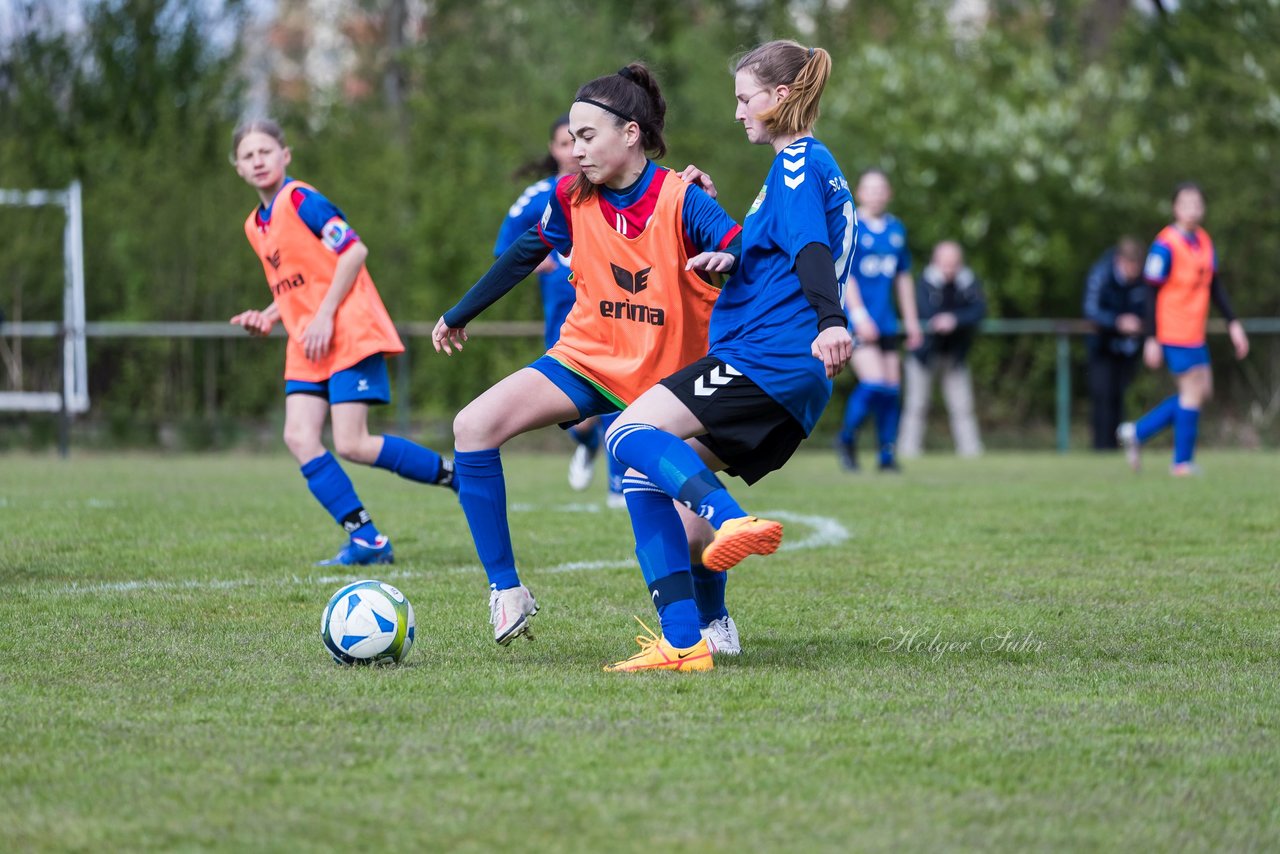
(521, 258)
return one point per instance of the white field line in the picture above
(823, 531)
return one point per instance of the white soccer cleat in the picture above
(722, 637)
(509, 612)
(1127, 436)
(581, 468)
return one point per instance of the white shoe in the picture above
(616, 501)
(1127, 436)
(722, 637)
(509, 612)
(581, 468)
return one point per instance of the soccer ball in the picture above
(368, 622)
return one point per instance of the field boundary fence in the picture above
(1061, 333)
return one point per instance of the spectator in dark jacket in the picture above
(951, 305)
(1116, 300)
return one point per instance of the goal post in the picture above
(73, 397)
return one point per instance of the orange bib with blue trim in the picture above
(299, 270)
(638, 315)
(1182, 302)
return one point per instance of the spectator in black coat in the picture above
(1115, 298)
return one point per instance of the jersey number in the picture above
(845, 259)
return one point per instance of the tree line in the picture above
(1035, 140)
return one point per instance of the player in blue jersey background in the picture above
(882, 270)
(778, 336)
(558, 295)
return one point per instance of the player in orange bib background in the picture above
(339, 335)
(1183, 266)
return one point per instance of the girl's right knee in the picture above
(471, 431)
(303, 444)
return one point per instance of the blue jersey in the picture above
(762, 324)
(880, 257)
(557, 291)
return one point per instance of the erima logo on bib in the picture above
(632, 283)
(274, 260)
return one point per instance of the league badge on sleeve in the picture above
(336, 234)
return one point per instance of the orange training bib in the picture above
(639, 316)
(299, 270)
(1182, 302)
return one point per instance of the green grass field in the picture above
(163, 686)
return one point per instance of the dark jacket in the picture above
(1106, 297)
(963, 298)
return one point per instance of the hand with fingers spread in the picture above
(445, 337)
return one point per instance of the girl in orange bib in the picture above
(339, 333)
(642, 245)
(1183, 265)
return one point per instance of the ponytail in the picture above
(541, 167)
(803, 70)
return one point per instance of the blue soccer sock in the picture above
(856, 410)
(1186, 425)
(413, 462)
(617, 470)
(482, 490)
(676, 469)
(332, 488)
(663, 551)
(888, 414)
(1157, 419)
(708, 593)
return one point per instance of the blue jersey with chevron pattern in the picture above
(880, 257)
(762, 324)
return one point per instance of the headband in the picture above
(606, 108)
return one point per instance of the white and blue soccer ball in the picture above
(368, 622)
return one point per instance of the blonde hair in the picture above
(261, 125)
(787, 63)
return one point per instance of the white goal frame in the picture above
(74, 395)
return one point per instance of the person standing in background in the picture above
(951, 304)
(882, 272)
(1116, 302)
